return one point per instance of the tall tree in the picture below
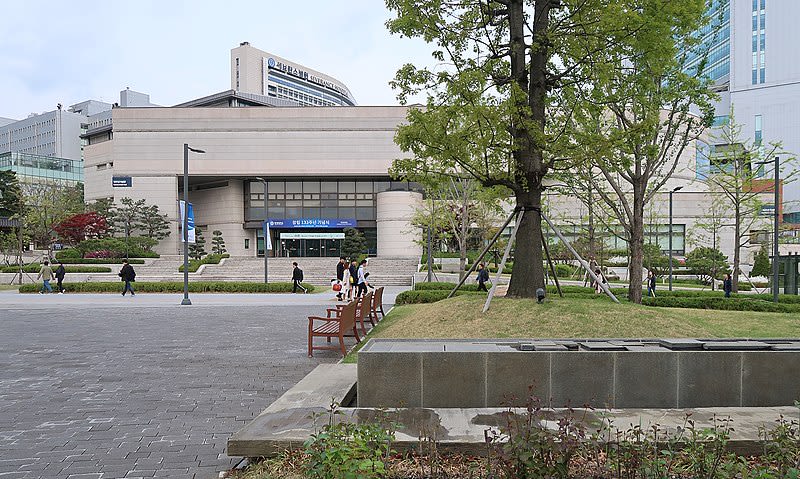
(217, 242)
(79, 227)
(153, 223)
(734, 173)
(640, 121)
(47, 204)
(105, 208)
(354, 244)
(500, 102)
(128, 217)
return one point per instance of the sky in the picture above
(66, 52)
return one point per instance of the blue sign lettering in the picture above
(312, 223)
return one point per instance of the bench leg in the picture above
(310, 338)
(341, 343)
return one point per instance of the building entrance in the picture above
(308, 244)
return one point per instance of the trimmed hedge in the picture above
(429, 296)
(34, 268)
(173, 287)
(443, 286)
(194, 264)
(726, 304)
(101, 261)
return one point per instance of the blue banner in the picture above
(313, 223)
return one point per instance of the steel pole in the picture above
(670, 240)
(186, 300)
(266, 232)
(775, 253)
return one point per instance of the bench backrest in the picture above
(377, 302)
(366, 304)
(348, 316)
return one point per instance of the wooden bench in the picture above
(338, 324)
(363, 311)
(377, 305)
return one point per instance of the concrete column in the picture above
(396, 235)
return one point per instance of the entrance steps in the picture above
(384, 271)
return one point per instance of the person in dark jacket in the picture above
(297, 278)
(340, 267)
(128, 275)
(353, 278)
(60, 273)
(651, 284)
(727, 285)
(483, 277)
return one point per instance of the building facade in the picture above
(262, 73)
(310, 171)
(751, 58)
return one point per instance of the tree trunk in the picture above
(737, 242)
(636, 246)
(528, 272)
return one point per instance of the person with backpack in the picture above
(128, 275)
(362, 282)
(297, 278)
(60, 273)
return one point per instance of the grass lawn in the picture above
(461, 317)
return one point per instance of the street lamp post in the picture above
(266, 231)
(670, 233)
(186, 150)
(777, 205)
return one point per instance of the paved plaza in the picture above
(101, 386)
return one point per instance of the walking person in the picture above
(353, 278)
(128, 275)
(727, 285)
(297, 278)
(483, 277)
(651, 284)
(60, 273)
(341, 266)
(362, 279)
(598, 288)
(46, 273)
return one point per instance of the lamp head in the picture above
(540, 295)
(677, 188)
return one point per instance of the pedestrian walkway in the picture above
(100, 385)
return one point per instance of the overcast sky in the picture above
(66, 52)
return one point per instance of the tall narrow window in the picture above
(758, 125)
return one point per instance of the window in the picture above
(758, 129)
(246, 240)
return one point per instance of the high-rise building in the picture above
(262, 73)
(752, 61)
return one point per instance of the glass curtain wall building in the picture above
(752, 60)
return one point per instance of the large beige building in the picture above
(325, 168)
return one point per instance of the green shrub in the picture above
(194, 264)
(70, 253)
(34, 268)
(101, 261)
(137, 246)
(426, 296)
(174, 287)
(442, 285)
(721, 303)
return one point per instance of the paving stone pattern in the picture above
(140, 391)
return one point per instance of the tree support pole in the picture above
(483, 253)
(583, 263)
(502, 264)
(550, 263)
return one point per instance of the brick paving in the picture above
(107, 388)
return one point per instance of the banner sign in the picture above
(121, 181)
(310, 235)
(313, 223)
(190, 222)
(265, 225)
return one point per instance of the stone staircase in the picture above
(384, 271)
